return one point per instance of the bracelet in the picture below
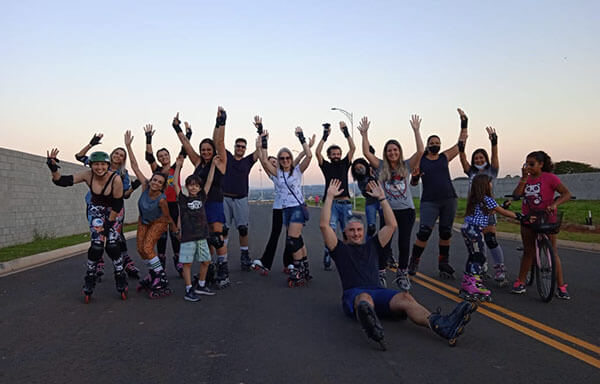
(380, 200)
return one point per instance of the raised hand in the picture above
(334, 188)
(326, 131)
(258, 124)
(300, 135)
(188, 130)
(492, 135)
(179, 161)
(415, 122)
(128, 138)
(311, 140)
(52, 160)
(96, 139)
(375, 190)
(149, 133)
(363, 125)
(176, 123)
(464, 120)
(221, 117)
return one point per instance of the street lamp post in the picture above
(350, 117)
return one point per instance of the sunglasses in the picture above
(285, 158)
(240, 146)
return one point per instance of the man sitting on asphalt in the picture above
(358, 267)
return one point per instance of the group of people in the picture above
(217, 201)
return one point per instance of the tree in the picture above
(568, 166)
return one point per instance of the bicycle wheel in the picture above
(545, 269)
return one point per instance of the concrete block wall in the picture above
(31, 204)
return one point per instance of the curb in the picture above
(24, 263)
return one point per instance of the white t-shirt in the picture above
(283, 192)
(277, 201)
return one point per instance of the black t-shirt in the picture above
(358, 265)
(437, 184)
(194, 225)
(215, 194)
(363, 182)
(235, 180)
(337, 170)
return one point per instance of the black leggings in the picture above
(269, 253)
(406, 220)
(161, 246)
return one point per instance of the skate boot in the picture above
(413, 265)
(89, 285)
(257, 265)
(100, 270)
(500, 275)
(306, 270)
(382, 278)
(222, 275)
(327, 262)
(121, 284)
(178, 265)
(132, 271)
(245, 261)
(145, 283)
(210, 274)
(473, 290)
(369, 322)
(446, 270)
(402, 280)
(296, 277)
(451, 326)
(484, 271)
(163, 261)
(160, 284)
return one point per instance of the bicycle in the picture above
(543, 266)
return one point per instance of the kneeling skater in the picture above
(106, 202)
(358, 266)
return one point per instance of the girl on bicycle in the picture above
(538, 185)
(480, 207)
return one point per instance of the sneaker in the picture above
(518, 287)
(562, 293)
(500, 273)
(402, 280)
(190, 295)
(203, 290)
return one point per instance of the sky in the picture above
(528, 68)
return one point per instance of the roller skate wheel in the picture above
(290, 284)
(466, 318)
(124, 295)
(452, 342)
(154, 295)
(167, 291)
(460, 331)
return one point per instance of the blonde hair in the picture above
(284, 149)
(387, 169)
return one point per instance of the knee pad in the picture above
(243, 230)
(95, 251)
(225, 231)
(216, 240)
(490, 240)
(445, 233)
(113, 249)
(371, 229)
(295, 243)
(424, 233)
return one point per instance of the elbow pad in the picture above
(117, 204)
(81, 158)
(64, 181)
(150, 158)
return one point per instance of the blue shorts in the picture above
(293, 215)
(215, 212)
(381, 297)
(341, 210)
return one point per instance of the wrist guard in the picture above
(345, 131)
(95, 141)
(326, 131)
(221, 119)
(263, 142)
(259, 128)
(148, 137)
(136, 183)
(301, 137)
(177, 126)
(464, 121)
(188, 133)
(494, 139)
(53, 167)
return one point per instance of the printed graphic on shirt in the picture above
(396, 187)
(533, 193)
(194, 205)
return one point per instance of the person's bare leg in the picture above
(404, 302)
(187, 273)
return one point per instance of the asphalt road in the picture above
(261, 331)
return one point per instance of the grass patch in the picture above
(44, 243)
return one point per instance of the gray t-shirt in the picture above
(397, 189)
(490, 171)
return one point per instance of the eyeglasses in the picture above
(240, 146)
(285, 158)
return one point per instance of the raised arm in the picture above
(298, 159)
(210, 177)
(415, 159)
(68, 180)
(520, 188)
(188, 135)
(452, 152)
(177, 174)
(134, 164)
(259, 129)
(328, 233)
(326, 132)
(351, 146)
(363, 128)
(80, 156)
(149, 132)
(219, 139)
(264, 161)
(308, 154)
(494, 140)
(194, 156)
(463, 157)
(385, 234)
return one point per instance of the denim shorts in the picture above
(381, 298)
(341, 210)
(191, 251)
(293, 215)
(371, 212)
(214, 212)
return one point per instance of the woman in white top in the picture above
(287, 178)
